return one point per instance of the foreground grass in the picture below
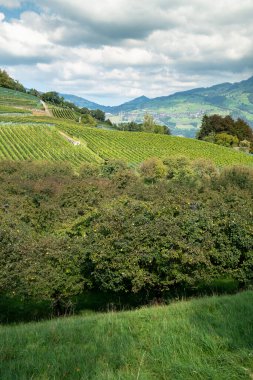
(210, 338)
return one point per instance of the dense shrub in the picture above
(171, 226)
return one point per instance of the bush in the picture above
(239, 176)
(153, 169)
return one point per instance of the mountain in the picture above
(81, 102)
(128, 106)
(182, 112)
(137, 103)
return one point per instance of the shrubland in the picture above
(125, 235)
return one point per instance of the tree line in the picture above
(226, 131)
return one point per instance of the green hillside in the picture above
(209, 338)
(59, 138)
(135, 147)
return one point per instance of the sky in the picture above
(111, 51)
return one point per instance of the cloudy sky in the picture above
(110, 51)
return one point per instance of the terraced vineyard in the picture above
(37, 142)
(5, 110)
(18, 99)
(135, 147)
(64, 113)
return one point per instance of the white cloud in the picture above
(112, 50)
(10, 3)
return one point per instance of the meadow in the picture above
(200, 339)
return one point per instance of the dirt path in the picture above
(47, 110)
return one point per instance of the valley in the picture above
(182, 112)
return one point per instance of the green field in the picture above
(208, 338)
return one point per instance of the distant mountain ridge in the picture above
(183, 111)
(81, 102)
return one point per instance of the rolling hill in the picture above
(182, 112)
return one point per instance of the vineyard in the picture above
(14, 98)
(38, 142)
(26, 136)
(13, 111)
(135, 147)
(64, 113)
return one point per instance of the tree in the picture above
(98, 114)
(224, 130)
(34, 92)
(148, 123)
(8, 82)
(52, 97)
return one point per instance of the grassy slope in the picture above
(209, 338)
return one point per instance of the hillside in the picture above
(27, 132)
(182, 112)
(209, 338)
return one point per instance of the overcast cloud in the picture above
(110, 51)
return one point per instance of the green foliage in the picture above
(111, 167)
(52, 97)
(224, 130)
(98, 144)
(177, 228)
(131, 127)
(34, 92)
(65, 113)
(153, 169)
(98, 114)
(237, 175)
(149, 125)
(8, 82)
(226, 140)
